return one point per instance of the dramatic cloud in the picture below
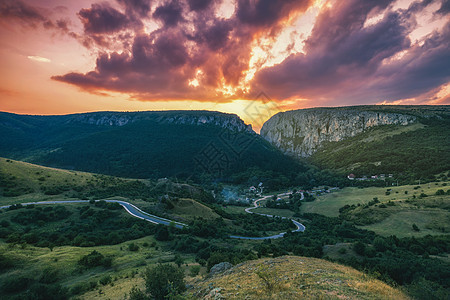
(355, 52)
(170, 13)
(11, 9)
(347, 63)
(139, 7)
(101, 18)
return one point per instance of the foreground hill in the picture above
(291, 277)
(366, 140)
(142, 144)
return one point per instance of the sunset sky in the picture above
(67, 56)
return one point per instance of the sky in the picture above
(249, 57)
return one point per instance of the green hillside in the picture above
(417, 151)
(147, 145)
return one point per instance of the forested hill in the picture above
(147, 144)
(411, 142)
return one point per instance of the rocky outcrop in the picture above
(220, 268)
(228, 121)
(301, 132)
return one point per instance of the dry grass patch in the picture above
(291, 277)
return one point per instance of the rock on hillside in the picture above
(291, 277)
(228, 121)
(301, 132)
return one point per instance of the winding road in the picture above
(130, 208)
(138, 213)
(300, 226)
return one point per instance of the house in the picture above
(252, 189)
(374, 176)
(351, 176)
(391, 175)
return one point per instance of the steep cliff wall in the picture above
(301, 132)
(229, 121)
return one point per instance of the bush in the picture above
(359, 247)
(194, 270)
(16, 284)
(133, 247)
(47, 292)
(137, 294)
(164, 279)
(95, 259)
(105, 280)
(162, 233)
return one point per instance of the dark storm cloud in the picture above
(170, 13)
(21, 11)
(154, 65)
(102, 18)
(345, 61)
(339, 49)
(198, 5)
(425, 68)
(267, 12)
(31, 16)
(139, 7)
(215, 36)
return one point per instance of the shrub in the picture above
(164, 279)
(194, 270)
(359, 247)
(105, 280)
(95, 259)
(133, 247)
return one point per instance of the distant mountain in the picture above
(409, 140)
(189, 144)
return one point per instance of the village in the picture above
(373, 177)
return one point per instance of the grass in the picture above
(235, 209)
(430, 213)
(400, 224)
(329, 204)
(189, 209)
(125, 269)
(296, 278)
(274, 211)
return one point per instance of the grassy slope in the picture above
(410, 152)
(189, 209)
(427, 213)
(297, 278)
(31, 261)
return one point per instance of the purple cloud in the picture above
(345, 62)
(102, 18)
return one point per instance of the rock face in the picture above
(301, 132)
(228, 121)
(219, 268)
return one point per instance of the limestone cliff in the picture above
(301, 132)
(228, 121)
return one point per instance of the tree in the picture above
(162, 233)
(359, 247)
(164, 279)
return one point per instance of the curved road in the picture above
(300, 226)
(130, 208)
(138, 213)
